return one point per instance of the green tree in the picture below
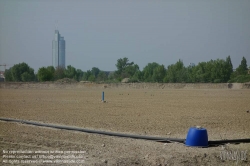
(79, 74)
(125, 69)
(191, 77)
(44, 74)
(8, 75)
(200, 72)
(111, 76)
(91, 78)
(59, 73)
(148, 71)
(181, 72)
(51, 69)
(176, 73)
(170, 74)
(217, 71)
(86, 75)
(131, 70)
(70, 72)
(229, 68)
(242, 69)
(137, 77)
(212, 71)
(19, 69)
(240, 75)
(159, 73)
(122, 64)
(102, 76)
(27, 77)
(95, 71)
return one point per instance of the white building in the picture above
(58, 51)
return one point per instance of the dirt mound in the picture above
(125, 80)
(66, 80)
(235, 86)
(246, 85)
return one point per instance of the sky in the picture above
(99, 32)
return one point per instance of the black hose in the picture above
(234, 141)
(158, 139)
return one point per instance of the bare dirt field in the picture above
(154, 112)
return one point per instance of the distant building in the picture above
(58, 51)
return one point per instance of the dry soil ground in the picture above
(165, 113)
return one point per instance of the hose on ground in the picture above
(158, 139)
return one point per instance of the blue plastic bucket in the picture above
(197, 137)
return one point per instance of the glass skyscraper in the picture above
(58, 51)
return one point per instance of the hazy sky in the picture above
(98, 32)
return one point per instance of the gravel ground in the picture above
(165, 113)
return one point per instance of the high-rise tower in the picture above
(58, 51)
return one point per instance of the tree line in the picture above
(213, 71)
